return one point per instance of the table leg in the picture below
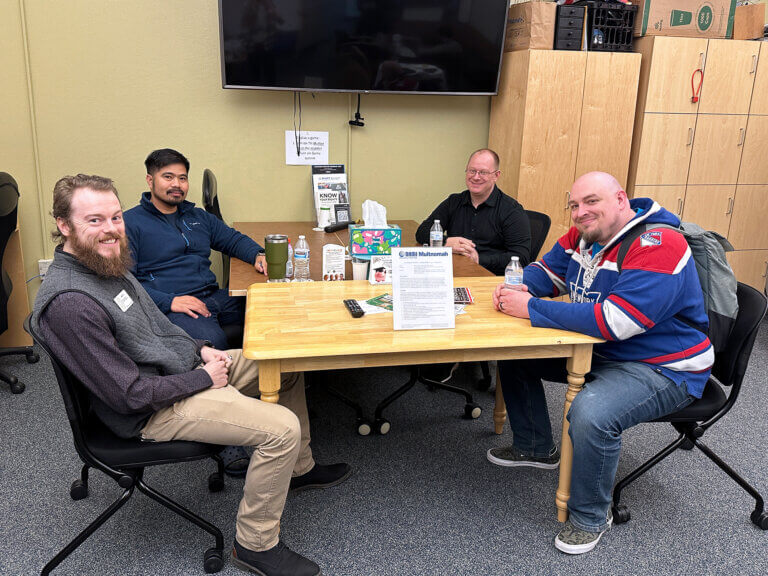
(269, 380)
(578, 365)
(500, 408)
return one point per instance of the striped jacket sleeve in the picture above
(654, 285)
(546, 277)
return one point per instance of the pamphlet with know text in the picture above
(329, 187)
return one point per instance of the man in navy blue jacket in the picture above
(171, 242)
(654, 359)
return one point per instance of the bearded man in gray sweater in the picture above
(147, 378)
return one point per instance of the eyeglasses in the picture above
(481, 173)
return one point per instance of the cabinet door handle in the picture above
(567, 198)
(679, 206)
(690, 136)
(742, 132)
(730, 206)
(765, 273)
(754, 64)
(701, 60)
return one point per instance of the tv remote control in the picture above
(336, 227)
(354, 308)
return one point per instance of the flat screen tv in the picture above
(363, 46)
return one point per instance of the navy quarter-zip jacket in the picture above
(174, 260)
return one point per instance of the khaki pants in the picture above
(229, 416)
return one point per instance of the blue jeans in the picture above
(224, 309)
(616, 396)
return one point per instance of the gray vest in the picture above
(142, 332)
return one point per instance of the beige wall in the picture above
(112, 80)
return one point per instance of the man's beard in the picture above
(87, 253)
(591, 237)
(171, 200)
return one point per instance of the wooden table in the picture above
(242, 275)
(292, 327)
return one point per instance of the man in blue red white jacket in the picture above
(653, 361)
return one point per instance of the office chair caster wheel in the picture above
(16, 386)
(363, 427)
(32, 357)
(760, 519)
(213, 561)
(621, 514)
(687, 445)
(78, 490)
(215, 482)
(382, 426)
(472, 411)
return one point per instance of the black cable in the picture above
(297, 132)
(358, 121)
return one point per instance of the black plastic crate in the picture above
(610, 25)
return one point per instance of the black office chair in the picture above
(124, 461)
(694, 420)
(9, 207)
(233, 332)
(540, 224)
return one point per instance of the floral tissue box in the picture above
(365, 242)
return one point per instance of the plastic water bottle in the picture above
(436, 234)
(301, 261)
(513, 275)
(289, 263)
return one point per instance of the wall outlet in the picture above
(42, 266)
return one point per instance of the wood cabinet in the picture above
(557, 116)
(723, 185)
(18, 304)
(667, 165)
(750, 267)
(754, 158)
(717, 147)
(709, 206)
(729, 74)
(670, 197)
(749, 229)
(665, 63)
(759, 104)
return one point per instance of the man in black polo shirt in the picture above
(482, 223)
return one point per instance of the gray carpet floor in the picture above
(423, 499)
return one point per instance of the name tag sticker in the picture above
(123, 300)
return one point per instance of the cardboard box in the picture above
(531, 25)
(748, 22)
(365, 242)
(690, 18)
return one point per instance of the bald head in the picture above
(595, 181)
(599, 206)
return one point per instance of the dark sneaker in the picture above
(572, 540)
(321, 477)
(277, 561)
(236, 460)
(511, 456)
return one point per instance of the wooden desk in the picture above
(242, 275)
(291, 327)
